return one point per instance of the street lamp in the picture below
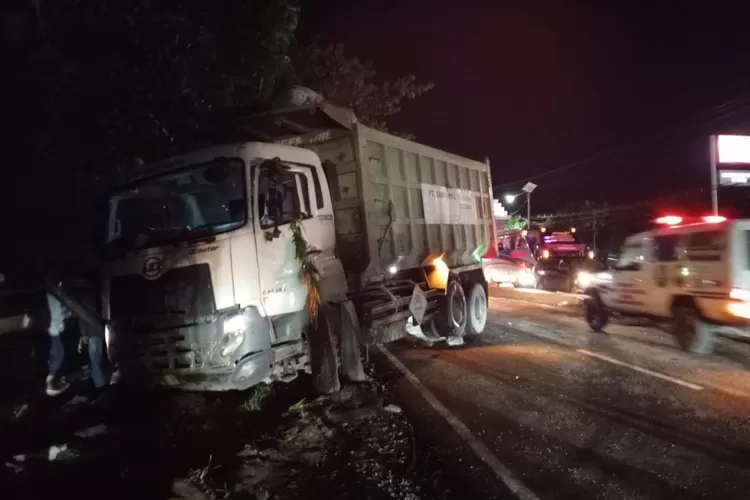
(527, 188)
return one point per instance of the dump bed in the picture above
(399, 203)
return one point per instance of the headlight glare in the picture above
(234, 333)
(585, 278)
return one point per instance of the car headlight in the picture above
(542, 272)
(234, 333)
(585, 279)
(525, 278)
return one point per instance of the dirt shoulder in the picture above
(158, 444)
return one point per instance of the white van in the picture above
(697, 276)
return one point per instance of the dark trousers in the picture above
(101, 371)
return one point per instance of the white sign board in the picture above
(418, 304)
(734, 148)
(444, 205)
(734, 177)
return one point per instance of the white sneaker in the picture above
(116, 376)
(56, 385)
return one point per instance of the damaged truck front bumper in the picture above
(229, 350)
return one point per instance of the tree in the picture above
(114, 80)
(140, 76)
(348, 81)
(515, 222)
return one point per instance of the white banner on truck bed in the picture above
(444, 205)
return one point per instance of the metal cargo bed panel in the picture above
(376, 185)
(394, 172)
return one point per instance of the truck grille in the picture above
(184, 291)
(173, 351)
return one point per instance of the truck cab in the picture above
(202, 284)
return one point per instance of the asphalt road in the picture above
(561, 412)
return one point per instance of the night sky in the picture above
(628, 94)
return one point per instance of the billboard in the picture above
(733, 149)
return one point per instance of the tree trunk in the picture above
(323, 358)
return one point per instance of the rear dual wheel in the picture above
(459, 315)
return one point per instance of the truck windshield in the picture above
(201, 200)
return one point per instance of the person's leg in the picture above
(56, 384)
(101, 372)
(56, 354)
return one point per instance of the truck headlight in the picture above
(234, 333)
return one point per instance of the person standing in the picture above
(56, 383)
(75, 298)
(85, 291)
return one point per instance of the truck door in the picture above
(282, 195)
(666, 274)
(629, 288)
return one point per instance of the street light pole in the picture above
(528, 188)
(528, 210)
(714, 187)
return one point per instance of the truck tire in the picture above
(450, 320)
(689, 330)
(476, 307)
(595, 313)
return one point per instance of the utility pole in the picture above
(594, 230)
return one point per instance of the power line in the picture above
(738, 102)
(607, 211)
(519, 208)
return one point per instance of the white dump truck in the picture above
(202, 283)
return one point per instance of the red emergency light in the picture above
(714, 219)
(669, 220)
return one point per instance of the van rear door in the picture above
(739, 254)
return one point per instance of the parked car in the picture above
(566, 274)
(503, 270)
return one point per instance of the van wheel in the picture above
(476, 307)
(689, 330)
(596, 314)
(451, 319)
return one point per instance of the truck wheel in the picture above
(476, 307)
(450, 320)
(596, 314)
(689, 330)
